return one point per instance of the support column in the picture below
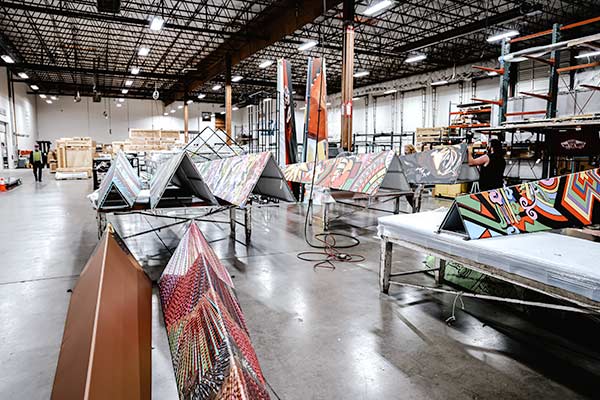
(228, 98)
(504, 82)
(347, 75)
(553, 87)
(186, 117)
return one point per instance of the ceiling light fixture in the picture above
(235, 108)
(222, 113)
(416, 58)
(156, 24)
(375, 8)
(307, 45)
(23, 75)
(172, 111)
(492, 73)
(143, 51)
(390, 91)
(124, 91)
(135, 70)
(7, 59)
(360, 74)
(355, 98)
(121, 100)
(502, 35)
(34, 87)
(237, 78)
(49, 101)
(439, 83)
(165, 114)
(216, 87)
(42, 96)
(179, 107)
(201, 95)
(266, 100)
(265, 64)
(54, 97)
(589, 54)
(128, 82)
(119, 105)
(190, 101)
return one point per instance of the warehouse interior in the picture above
(283, 199)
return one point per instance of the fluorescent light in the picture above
(237, 78)
(23, 75)
(439, 83)
(172, 111)
(589, 54)
(492, 73)
(121, 100)
(124, 91)
(34, 87)
(355, 98)
(302, 108)
(375, 8)
(265, 64)
(416, 58)
(156, 23)
(179, 107)
(216, 87)
(119, 105)
(249, 106)
(501, 36)
(266, 100)
(390, 91)
(42, 96)
(54, 97)
(201, 95)
(293, 92)
(190, 101)
(143, 51)
(360, 74)
(222, 113)
(235, 108)
(165, 114)
(7, 59)
(128, 82)
(49, 101)
(307, 45)
(135, 70)
(328, 103)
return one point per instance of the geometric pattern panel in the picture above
(212, 354)
(360, 173)
(559, 202)
(122, 179)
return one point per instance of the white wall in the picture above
(19, 117)
(65, 118)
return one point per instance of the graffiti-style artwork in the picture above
(176, 182)
(560, 202)
(315, 117)
(120, 186)
(288, 146)
(212, 354)
(361, 173)
(445, 165)
(233, 179)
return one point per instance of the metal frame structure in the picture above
(582, 304)
(66, 47)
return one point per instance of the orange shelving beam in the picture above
(591, 87)
(499, 71)
(496, 102)
(483, 110)
(516, 113)
(549, 31)
(575, 67)
(539, 96)
(549, 61)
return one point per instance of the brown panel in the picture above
(114, 293)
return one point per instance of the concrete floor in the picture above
(319, 334)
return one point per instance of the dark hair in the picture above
(496, 146)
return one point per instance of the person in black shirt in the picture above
(491, 166)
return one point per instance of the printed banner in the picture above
(315, 117)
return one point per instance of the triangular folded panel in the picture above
(120, 186)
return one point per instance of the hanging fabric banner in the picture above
(315, 118)
(288, 145)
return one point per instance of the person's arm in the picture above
(482, 160)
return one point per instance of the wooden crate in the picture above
(144, 133)
(169, 134)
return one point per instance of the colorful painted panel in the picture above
(233, 179)
(315, 117)
(559, 202)
(211, 349)
(445, 165)
(288, 147)
(120, 186)
(361, 173)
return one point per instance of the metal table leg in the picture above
(248, 222)
(232, 221)
(385, 265)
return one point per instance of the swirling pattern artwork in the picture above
(560, 202)
(210, 345)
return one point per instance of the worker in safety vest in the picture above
(37, 159)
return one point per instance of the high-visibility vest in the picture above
(37, 156)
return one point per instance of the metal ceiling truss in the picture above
(68, 46)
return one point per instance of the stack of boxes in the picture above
(145, 140)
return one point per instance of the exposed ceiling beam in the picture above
(116, 19)
(277, 21)
(479, 25)
(90, 71)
